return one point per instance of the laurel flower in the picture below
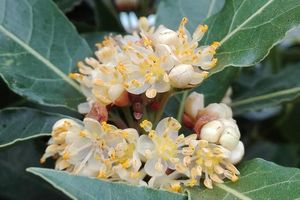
(160, 147)
(94, 149)
(206, 160)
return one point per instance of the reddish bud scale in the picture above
(202, 118)
(98, 112)
(123, 100)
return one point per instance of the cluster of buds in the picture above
(147, 62)
(214, 124)
(160, 159)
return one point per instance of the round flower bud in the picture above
(164, 35)
(230, 138)
(221, 109)
(231, 123)
(237, 153)
(193, 103)
(181, 75)
(212, 131)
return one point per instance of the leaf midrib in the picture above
(228, 36)
(266, 96)
(38, 56)
(233, 192)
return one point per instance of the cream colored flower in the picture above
(160, 147)
(92, 149)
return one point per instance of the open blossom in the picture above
(150, 61)
(160, 147)
(95, 150)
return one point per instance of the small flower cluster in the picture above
(149, 62)
(214, 124)
(161, 158)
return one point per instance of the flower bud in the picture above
(193, 103)
(181, 75)
(237, 153)
(221, 109)
(212, 131)
(230, 138)
(164, 35)
(231, 123)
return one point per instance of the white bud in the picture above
(237, 153)
(221, 109)
(193, 103)
(230, 138)
(212, 131)
(231, 123)
(181, 75)
(164, 35)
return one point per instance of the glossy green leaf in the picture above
(247, 30)
(270, 91)
(18, 124)
(78, 187)
(67, 5)
(39, 48)
(259, 180)
(15, 182)
(195, 10)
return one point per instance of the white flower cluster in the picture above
(160, 159)
(149, 62)
(215, 124)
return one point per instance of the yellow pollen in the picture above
(136, 83)
(215, 44)
(151, 134)
(66, 155)
(203, 28)
(106, 41)
(121, 68)
(75, 76)
(83, 133)
(126, 164)
(175, 187)
(134, 174)
(146, 125)
(191, 182)
(101, 174)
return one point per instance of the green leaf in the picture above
(215, 87)
(195, 10)
(270, 91)
(39, 48)
(247, 31)
(79, 187)
(15, 182)
(259, 180)
(19, 124)
(67, 5)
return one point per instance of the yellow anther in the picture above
(83, 133)
(136, 83)
(121, 68)
(126, 164)
(215, 44)
(203, 28)
(75, 76)
(66, 155)
(151, 134)
(106, 41)
(101, 174)
(146, 125)
(191, 182)
(175, 187)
